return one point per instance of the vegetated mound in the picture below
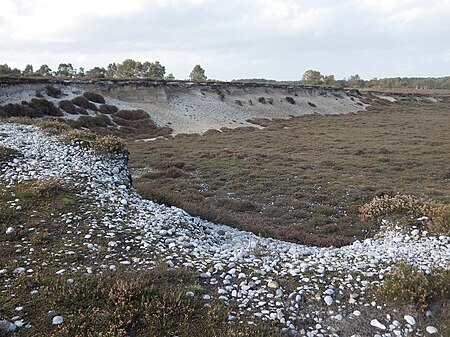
(108, 109)
(84, 103)
(53, 92)
(93, 97)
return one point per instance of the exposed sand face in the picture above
(198, 108)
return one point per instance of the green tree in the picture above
(16, 71)
(44, 70)
(111, 70)
(312, 77)
(5, 69)
(355, 81)
(65, 70)
(129, 68)
(197, 74)
(28, 70)
(329, 80)
(81, 72)
(96, 72)
(169, 77)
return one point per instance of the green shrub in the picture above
(83, 102)
(45, 107)
(101, 121)
(408, 285)
(108, 109)
(382, 205)
(93, 97)
(53, 126)
(68, 107)
(18, 110)
(53, 92)
(109, 145)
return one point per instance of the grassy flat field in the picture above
(302, 179)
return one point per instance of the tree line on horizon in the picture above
(315, 78)
(127, 69)
(155, 70)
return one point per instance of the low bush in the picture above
(109, 145)
(101, 121)
(406, 284)
(83, 102)
(53, 92)
(45, 107)
(132, 115)
(18, 110)
(383, 205)
(68, 107)
(53, 126)
(108, 109)
(93, 97)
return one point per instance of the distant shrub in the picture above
(53, 126)
(109, 145)
(93, 121)
(438, 214)
(44, 107)
(53, 92)
(18, 110)
(290, 100)
(93, 97)
(173, 172)
(262, 100)
(132, 114)
(408, 285)
(83, 102)
(108, 109)
(68, 107)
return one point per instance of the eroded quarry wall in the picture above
(189, 107)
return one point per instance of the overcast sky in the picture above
(276, 39)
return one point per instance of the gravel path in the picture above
(330, 284)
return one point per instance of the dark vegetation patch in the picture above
(44, 107)
(407, 287)
(108, 109)
(91, 122)
(93, 97)
(53, 92)
(18, 110)
(84, 103)
(306, 185)
(69, 107)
